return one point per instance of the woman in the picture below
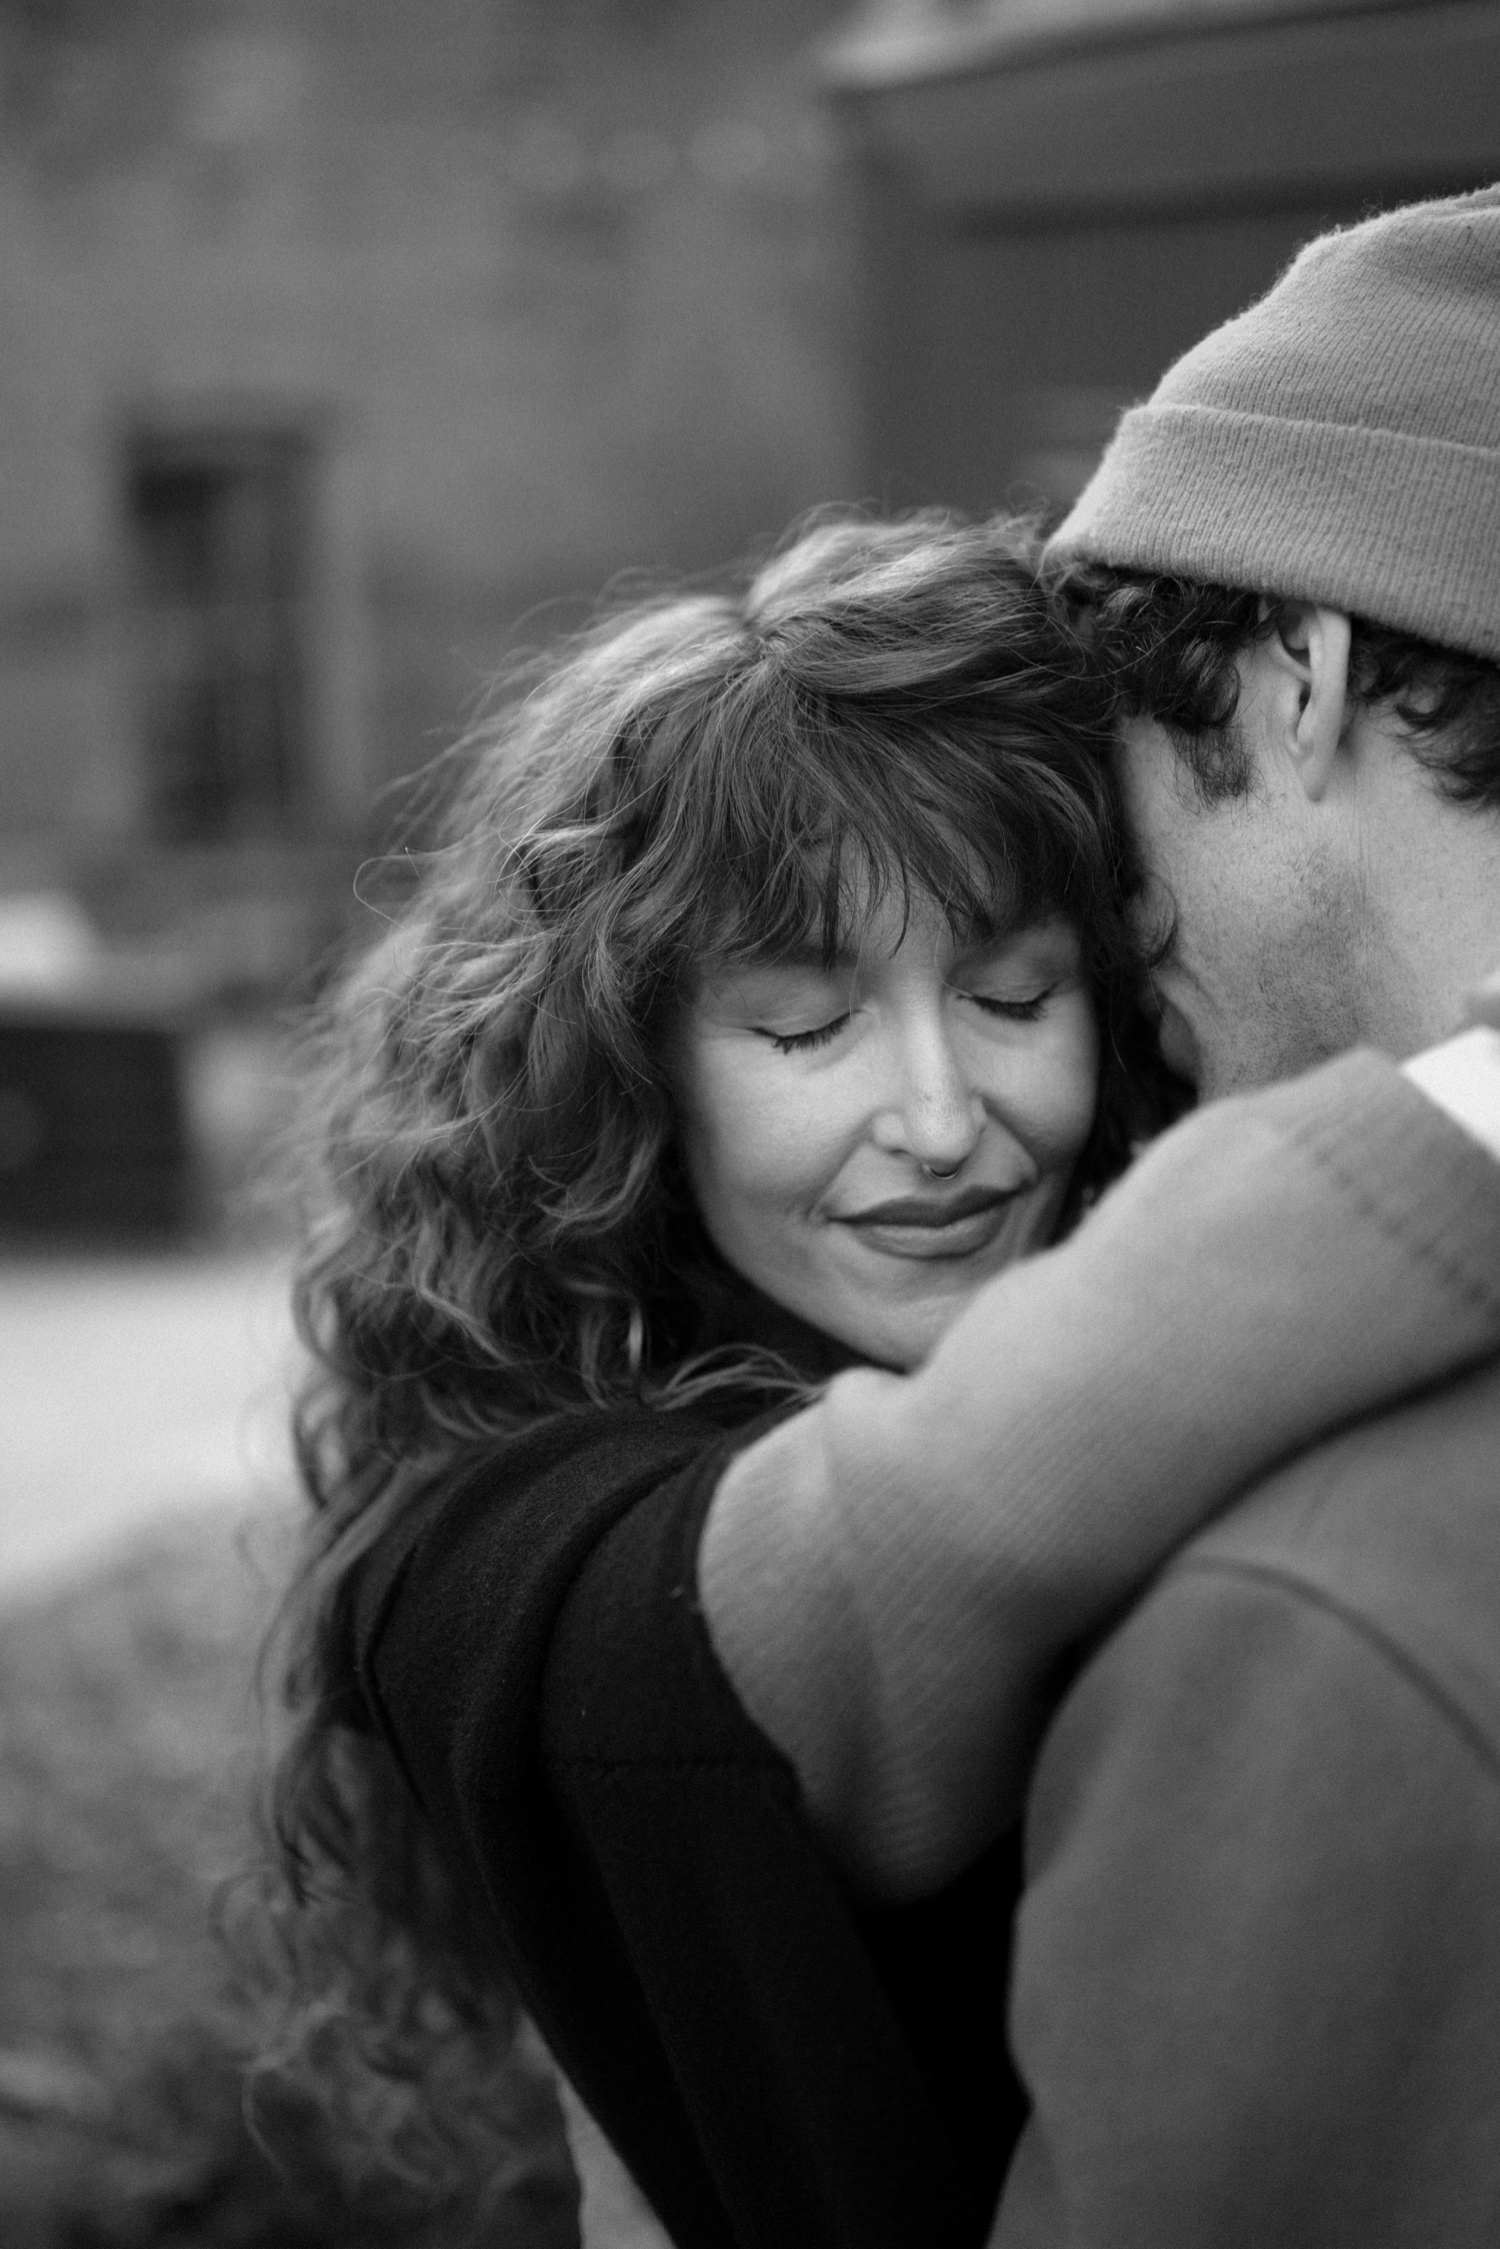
(768, 998)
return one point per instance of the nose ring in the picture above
(933, 1172)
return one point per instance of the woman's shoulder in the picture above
(487, 1552)
(555, 1474)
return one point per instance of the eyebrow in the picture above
(808, 955)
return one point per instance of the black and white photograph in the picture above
(750, 1124)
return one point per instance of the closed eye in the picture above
(1014, 1011)
(803, 1042)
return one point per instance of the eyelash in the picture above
(806, 1042)
(1015, 1011)
(803, 1042)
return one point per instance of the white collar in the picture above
(1463, 1077)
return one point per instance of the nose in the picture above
(934, 1112)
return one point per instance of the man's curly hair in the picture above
(1172, 646)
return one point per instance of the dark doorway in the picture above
(220, 524)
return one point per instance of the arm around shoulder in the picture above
(891, 1578)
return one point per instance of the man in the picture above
(1256, 1985)
(1258, 1972)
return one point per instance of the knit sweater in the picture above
(1257, 1968)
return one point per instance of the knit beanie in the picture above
(1339, 442)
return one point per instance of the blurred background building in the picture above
(345, 341)
(1060, 196)
(340, 335)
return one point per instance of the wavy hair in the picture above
(502, 1227)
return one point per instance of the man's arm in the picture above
(1257, 1981)
(891, 1578)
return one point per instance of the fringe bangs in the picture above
(794, 816)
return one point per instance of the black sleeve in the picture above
(801, 2097)
(540, 1664)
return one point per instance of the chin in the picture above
(911, 1335)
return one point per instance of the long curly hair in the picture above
(501, 1226)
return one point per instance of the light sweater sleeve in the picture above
(892, 1578)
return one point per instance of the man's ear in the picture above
(1310, 645)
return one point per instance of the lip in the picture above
(929, 1210)
(923, 1226)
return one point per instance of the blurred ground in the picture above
(129, 1745)
(137, 1387)
(146, 1513)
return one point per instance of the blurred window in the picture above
(220, 529)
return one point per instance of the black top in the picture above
(780, 2067)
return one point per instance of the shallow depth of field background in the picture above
(347, 346)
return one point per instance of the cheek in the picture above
(755, 1140)
(1077, 1074)
(1162, 818)
(1200, 860)
(1048, 1096)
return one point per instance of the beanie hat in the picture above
(1339, 442)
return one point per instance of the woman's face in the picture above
(869, 1143)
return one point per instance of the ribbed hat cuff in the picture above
(1401, 529)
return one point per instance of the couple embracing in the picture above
(939, 1629)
